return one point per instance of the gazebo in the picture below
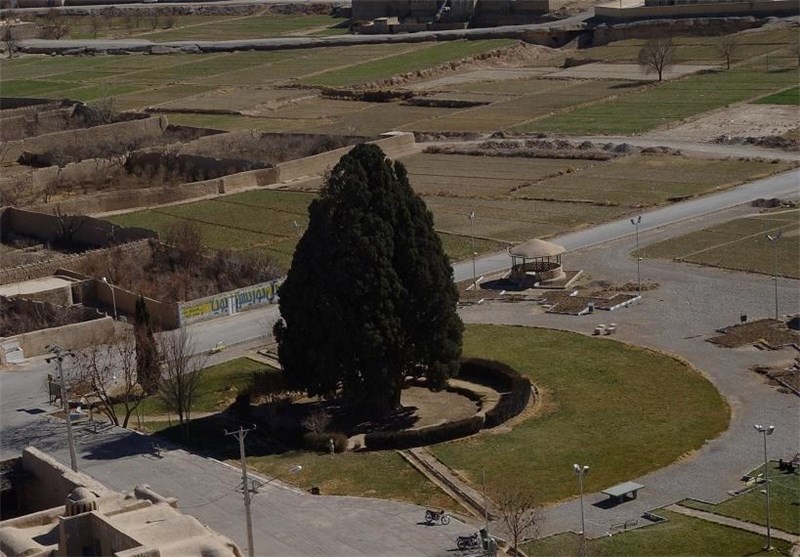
(535, 261)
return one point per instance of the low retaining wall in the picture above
(228, 303)
(768, 8)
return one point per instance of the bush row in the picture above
(426, 436)
(514, 388)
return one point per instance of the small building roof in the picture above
(536, 248)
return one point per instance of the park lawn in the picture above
(789, 96)
(426, 57)
(678, 536)
(219, 385)
(740, 245)
(383, 475)
(784, 502)
(623, 410)
(661, 103)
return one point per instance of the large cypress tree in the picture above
(148, 370)
(369, 298)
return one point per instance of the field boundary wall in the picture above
(73, 336)
(757, 8)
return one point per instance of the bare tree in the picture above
(55, 25)
(9, 40)
(317, 422)
(95, 23)
(656, 56)
(181, 370)
(517, 509)
(186, 240)
(108, 369)
(727, 47)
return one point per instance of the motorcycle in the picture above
(432, 516)
(469, 542)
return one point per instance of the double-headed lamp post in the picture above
(581, 471)
(636, 222)
(766, 431)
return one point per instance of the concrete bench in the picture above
(623, 492)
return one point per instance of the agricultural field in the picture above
(514, 199)
(741, 244)
(788, 97)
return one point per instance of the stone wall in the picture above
(228, 303)
(32, 121)
(121, 132)
(96, 292)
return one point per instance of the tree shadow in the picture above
(124, 443)
(502, 284)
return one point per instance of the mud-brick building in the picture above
(472, 13)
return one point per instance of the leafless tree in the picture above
(186, 240)
(317, 422)
(517, 509)
(181, 370)
(656, 56)
(155, 19)
(108, 368)
(169, 19)
(95, 23)
(55, 25)
(727, 47)
(9, 40)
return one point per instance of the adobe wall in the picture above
(89, 231)
(34, 122)
(756, 8)
(73, 262)
(393, 144)
(53, 481)
(73, 336)
(97, 292)
(120, 132)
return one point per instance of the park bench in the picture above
(790, 465)
(623, 492)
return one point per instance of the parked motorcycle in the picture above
(468, 542)
(432, 516)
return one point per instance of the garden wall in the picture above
(757, 8)
(97, 292)
(121, 132)
(34, 122)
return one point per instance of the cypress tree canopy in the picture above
(369, 298)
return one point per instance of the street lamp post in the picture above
(774, 241)
(581, 471)
(113, 296)
(635, 222)
(472, 237)
(58, 356)
(766, 431)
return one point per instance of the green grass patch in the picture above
(412, 61)
(741, 245)
(219, 385)
(750, 506)
(679, 536)
(624, 410)
(247, 28)
(789, 97)
(659, 104)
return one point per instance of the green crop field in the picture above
(789, 96)
(646, 108)
(248, 27)
(741, 244)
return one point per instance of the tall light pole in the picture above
(765, 431)
(249, 489)
(581, 471)
(774, 241)
(113, 296)
(58, 356)
(472, 236)
(635, 222)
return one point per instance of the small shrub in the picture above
(320, 442)
(426, 436)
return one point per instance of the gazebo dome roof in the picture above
(533, 249)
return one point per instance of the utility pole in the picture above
(774, 241)
(58, 356)
(635, 222)
(240, 435)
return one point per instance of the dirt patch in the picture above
(633, 72)
(787, 379)
(767, 333)
(747, 120)
(434, 408)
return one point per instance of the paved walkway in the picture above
(734, 522)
